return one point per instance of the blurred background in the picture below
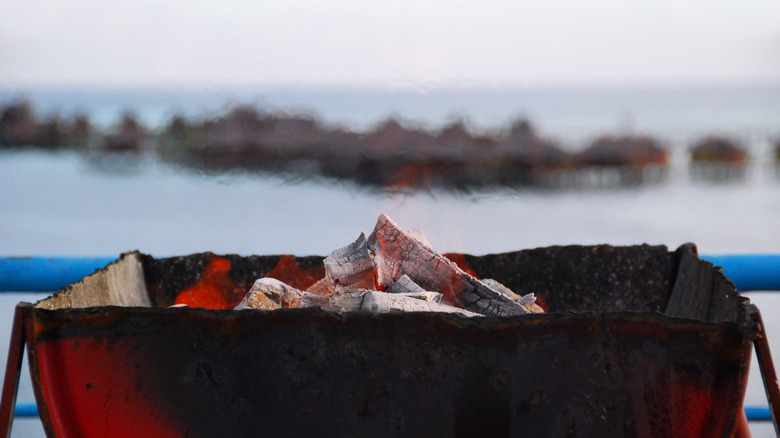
(256, 128)
(266, 128)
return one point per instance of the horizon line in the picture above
(406, 87)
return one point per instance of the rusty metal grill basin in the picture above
(639, 341)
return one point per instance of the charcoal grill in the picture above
(637, 341)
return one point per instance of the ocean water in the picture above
(62, 204)
(65, 204)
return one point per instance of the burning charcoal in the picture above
(257, 301)
(402, 263)
(396, 253)
(348, 301)
(351, 267)
(433, 297)
(315, 300)
(324, 288)
(420, 236)
(353, 299)
(532, 306)
(382, 302)
(528, 300)
(500, 288)
(404, 284)
(270, 293)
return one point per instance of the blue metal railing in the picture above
(46, 274)
(26, 410)
(749, 272)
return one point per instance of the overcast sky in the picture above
(387, 44)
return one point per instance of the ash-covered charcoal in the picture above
(269, 294)
(528, 300)
(500, 288)
(419, 236)
(433, 297)
(324, 287)
(312, 300)
(393, 270)
(351, 267)
(404, 284)
(397, 252)
(348, 301)
(353, 300)
(382, 302)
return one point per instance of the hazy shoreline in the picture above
(397, 152)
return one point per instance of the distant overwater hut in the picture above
(459, 159)
(621, 161)
(79, 133)
(122, 148)
(522, 158)
(18, 126)
(396, 156)
(248, 140)
(718, 159)
(776, 157)
(777, 151)
(127, 136)
(231, 141)
(172, 143)
(21, 127)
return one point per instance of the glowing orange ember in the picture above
(290, 272)
(460, 260)
(214, 289)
